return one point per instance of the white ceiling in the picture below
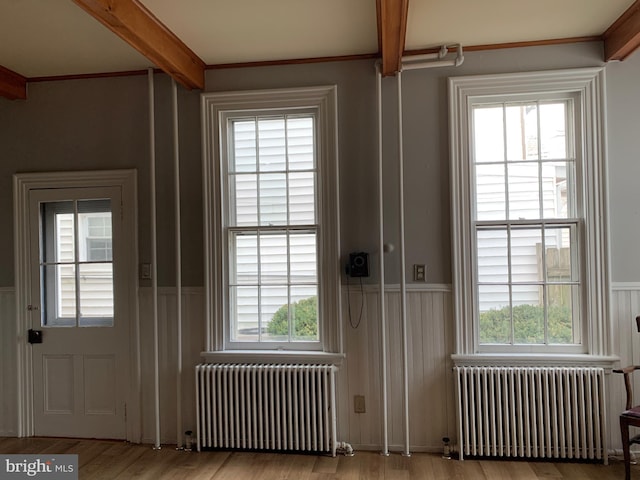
(41, 38)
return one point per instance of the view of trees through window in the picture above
(526, 227)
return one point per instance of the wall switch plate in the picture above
(358, 404)
(145, 271)
(419, 273)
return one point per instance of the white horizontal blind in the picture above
(272, 228)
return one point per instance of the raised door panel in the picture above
(59, 384)
(100, 386)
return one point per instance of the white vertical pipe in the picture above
(334, 415)
(178, 232)
(403, 286)
(383, 315)
(154, 258)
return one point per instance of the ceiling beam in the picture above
(392, 30)
(12, 85)
(137, 26)
(622, 38)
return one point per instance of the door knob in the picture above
(35, 336)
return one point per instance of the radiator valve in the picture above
(446, 448)
(188, 440)
(344, 448)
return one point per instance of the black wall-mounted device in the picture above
(34, 336)
(358, 264)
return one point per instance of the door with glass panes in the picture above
(79, 332)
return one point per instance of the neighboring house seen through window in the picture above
(77, 263)
(528, 197)
(272, 203)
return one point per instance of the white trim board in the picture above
(395, 287)
(617, 286)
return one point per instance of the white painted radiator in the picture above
(266, 407)
(532, 412)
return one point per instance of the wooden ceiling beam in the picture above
(392, 30)
(12, 85)
(137, 26)
(622, 38)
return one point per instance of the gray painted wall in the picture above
(103, 123)
(623, 117)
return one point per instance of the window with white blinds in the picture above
(271, 199)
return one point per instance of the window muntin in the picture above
(77, 278)
(272, 228)
(526, 223)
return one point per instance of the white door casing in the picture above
(81, 381)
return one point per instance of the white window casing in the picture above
(219, 111)
(585, 87)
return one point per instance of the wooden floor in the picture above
(110, 460)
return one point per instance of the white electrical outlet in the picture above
(419, 273)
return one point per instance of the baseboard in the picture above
(396, 449)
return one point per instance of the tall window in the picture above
(271, 196)
(271, 228)
(526, 222)
(529, 213)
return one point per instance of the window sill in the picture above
(274, 357)
(535, 360)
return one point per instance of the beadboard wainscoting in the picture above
(429, 347)
(430, 344)
(430, 379)
(193, 340)
(8, 379)
(625, 306)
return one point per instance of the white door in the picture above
(80, 338)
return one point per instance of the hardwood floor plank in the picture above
(372, 465)
(109, 460)
(468, 470)
(325, 465)
(194, 466)
(545, 470)
(300, 467)
(349, 468)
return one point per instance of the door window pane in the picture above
(96, 294)
(77, 263)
